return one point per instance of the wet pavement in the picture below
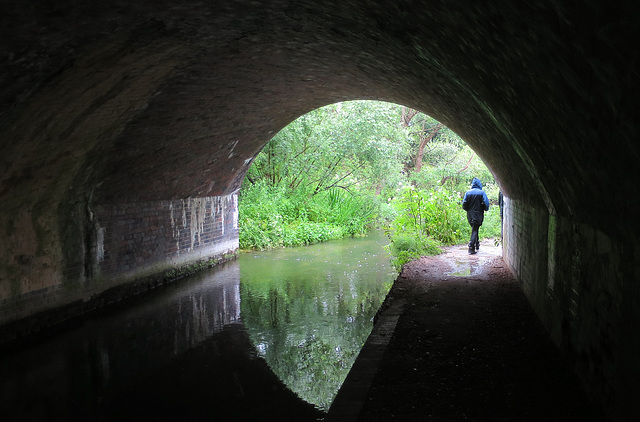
(456, 340)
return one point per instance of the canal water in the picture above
(247, 340)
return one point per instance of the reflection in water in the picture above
(182, 353)
(309, 310)
(466, 267)
(70, 376)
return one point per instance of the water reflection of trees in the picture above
(309, 325)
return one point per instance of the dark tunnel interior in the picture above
(116, 117)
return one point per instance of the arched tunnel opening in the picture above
(353, 166)
(127, 129)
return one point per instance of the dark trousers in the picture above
(474, 236)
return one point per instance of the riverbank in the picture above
(457, 340)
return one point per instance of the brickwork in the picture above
(151, 242)
(525, 241)
(576, 283)
(142, 236)
(147, 103)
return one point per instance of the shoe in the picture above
(478, 246)
(472, 251)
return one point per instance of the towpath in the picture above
(456, 340)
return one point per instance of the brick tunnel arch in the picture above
(127, 128)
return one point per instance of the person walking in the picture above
(475, 203)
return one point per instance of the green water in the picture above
(308, 310)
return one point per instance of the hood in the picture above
(475, 183)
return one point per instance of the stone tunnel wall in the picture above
(575, 279)
(146, 103)
(117, 251)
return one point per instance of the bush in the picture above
(436, 214)
(491, 224)
(271, 217)
(425, 221)
(407, 247)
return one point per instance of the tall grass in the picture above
(276, 216)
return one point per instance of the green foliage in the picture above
(339, 170)
(436, 214)
(356, 145)
(355, 213)
(491, 224)
(447, 160)
(310, 320)
(316, 179)
(276, 216)
(410, 246)
(425, 220)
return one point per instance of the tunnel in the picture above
(126, 129)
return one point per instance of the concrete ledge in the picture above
(51, 320)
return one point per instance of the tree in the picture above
(352, 145)
(448, 159)
(332, 172)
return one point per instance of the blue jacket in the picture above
(475, 203)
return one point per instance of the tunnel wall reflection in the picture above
(126, 249)
(72, 376)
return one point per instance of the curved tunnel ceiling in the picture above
(163, 100)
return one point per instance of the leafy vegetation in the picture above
(425, 220)
(348, 167)
(310, 320)
(273, 216)
(356, 146)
